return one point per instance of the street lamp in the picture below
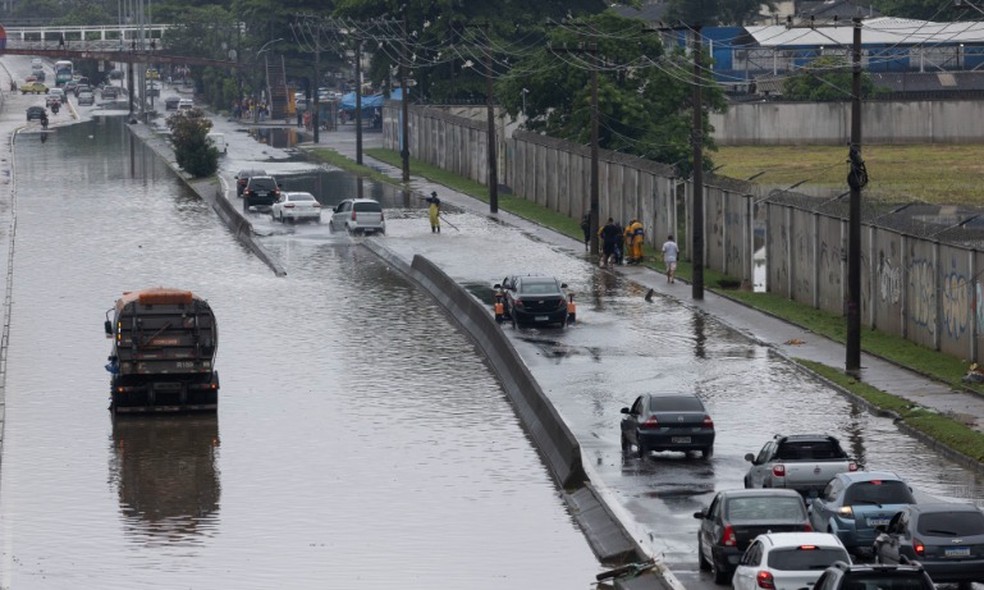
(263, 48)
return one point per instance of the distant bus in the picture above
(63, 72)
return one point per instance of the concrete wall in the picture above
(796, 123)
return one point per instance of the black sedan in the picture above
(35, 113)
(946, 538)
(535, 300)
(667, 422)
(735, 517)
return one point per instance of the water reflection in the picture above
(278, 137)
(700, 335)
(165, 469)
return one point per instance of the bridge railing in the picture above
(83, 34)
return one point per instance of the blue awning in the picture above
(372, 101)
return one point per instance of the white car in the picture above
(358, 216)
(296, 206)
(185, 103)
(787, 561)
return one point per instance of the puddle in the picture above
(278, 137)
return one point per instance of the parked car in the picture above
(667, 421)
(35, 113)
(33, 87)
(534, 299)
(296, 206)
(171, 104)
(260, 191)
(243, 176)
(86, 98)
(853, 504)
(802, 462)
(358, 216)
(946, 538)
(787, 560)
(846, 576)
(736, 517)
(110, 93)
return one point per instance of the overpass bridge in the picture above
(120, 43)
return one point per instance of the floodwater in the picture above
(359, 440)
(623, 346)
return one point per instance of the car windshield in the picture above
(878, 491)
(262, 183)
(539, 287)
(885, 581)
(951, 524)
(765, 508)
(675, 403)
(301, 197)
(807, 557)
(367, 207)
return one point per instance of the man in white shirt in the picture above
(670, 253)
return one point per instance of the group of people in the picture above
(250, 109)
(624, 245)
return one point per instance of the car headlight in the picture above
(846, 511)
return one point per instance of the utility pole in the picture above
(594, 155)
(405, 103)
(856, 179)
(358, 104)
(316, 115)
(490, 107)
(697, 238)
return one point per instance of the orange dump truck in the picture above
(163, 356)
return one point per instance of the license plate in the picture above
(680, 439)
(877, 522)
(957, 552)
(541, 318)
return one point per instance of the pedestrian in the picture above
(434, 212)
(635, 236)
(670, 253)
(610, 236)
(586, 228)
(619, 244)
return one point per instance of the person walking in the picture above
(610, 236)
(670, 253)
(619, 244)
(586, 228)
(635, 236)
(434, 212)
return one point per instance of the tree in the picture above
(192, 149)
(717, 12)
(826, 78)
(644, 91)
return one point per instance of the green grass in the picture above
(934, 173)
(936, 365)
(330, 156)
(946, 429)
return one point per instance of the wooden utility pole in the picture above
(493, 163)
(857, 178)
(697, 237)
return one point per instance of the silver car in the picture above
(296, 206)
(358, 216)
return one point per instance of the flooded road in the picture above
(623, 346)
(359, 441)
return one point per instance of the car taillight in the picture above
(317, 205)
(353, 214)
(779, 470)
(650, 422)
(728, 537)
(918, 546)
(764, 579)
(707, 423)
(808, 528)
(852, 466)
(561, 304)
(518, 303)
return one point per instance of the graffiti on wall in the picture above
(922, 285)
(780, 261)
(889, 277)
(955, 300)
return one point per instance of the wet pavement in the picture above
(359, 441)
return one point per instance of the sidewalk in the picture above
(786, 339)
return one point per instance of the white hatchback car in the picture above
(296, 206)
(358, 216)
(786, 561)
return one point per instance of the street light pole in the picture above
(857, 178)
(697, 241)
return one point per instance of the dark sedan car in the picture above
(667, 422)
(735, 517)
(260, 191)
(946, 538)
(35, 113)
(535, 300)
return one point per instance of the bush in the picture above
(189, 135)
